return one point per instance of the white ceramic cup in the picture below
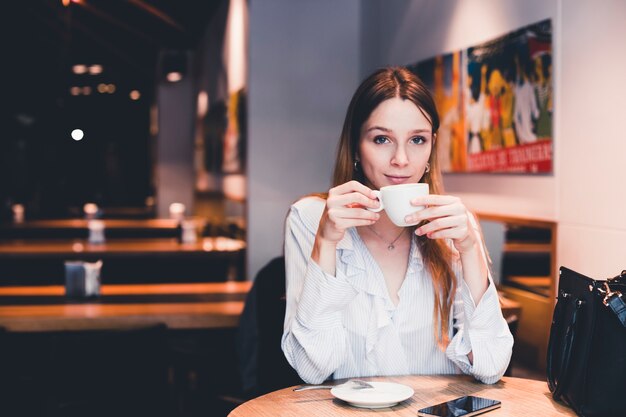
(396, 201)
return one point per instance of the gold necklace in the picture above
(390, 246)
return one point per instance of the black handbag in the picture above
(586, 362)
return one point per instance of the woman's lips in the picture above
(397, 179)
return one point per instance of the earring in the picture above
(356, 164)
(427, 170)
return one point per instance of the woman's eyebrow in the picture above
(421, 131)
(384, 129)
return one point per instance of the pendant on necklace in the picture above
(391, 247)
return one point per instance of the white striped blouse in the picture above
(346, 325)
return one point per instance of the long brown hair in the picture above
(383, 85)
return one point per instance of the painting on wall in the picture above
(505, 121)
(442, 75)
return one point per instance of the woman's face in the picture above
(395, 144)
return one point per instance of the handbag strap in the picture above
(613, 298)
(557, 384)
(616, 303)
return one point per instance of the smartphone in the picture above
(463, 406)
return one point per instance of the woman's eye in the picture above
(381, 139)
(418, 140)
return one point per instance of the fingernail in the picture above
(418, 232)
(408, 219)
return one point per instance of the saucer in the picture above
(382, 395)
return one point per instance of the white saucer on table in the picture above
(382, 395)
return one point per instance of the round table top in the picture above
(519, 397)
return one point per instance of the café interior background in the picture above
(301, 62)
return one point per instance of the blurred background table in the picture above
(41, 262)
(79, 228)
(178, 306)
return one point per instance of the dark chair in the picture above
(263, 365)
(91, 373)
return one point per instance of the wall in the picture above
(304, 67)
(175, 145)
(588, 81)
(592, 177)
(422, 29)
(307, 57)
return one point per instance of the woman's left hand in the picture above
(447, 219)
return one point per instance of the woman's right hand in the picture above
(345, 208)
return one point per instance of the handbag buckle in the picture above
(609, 294)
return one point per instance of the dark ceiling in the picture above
(41, 166)
(44, 38)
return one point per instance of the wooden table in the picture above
(510, 308)
(19, 248)
(83, 224)
(79, 228)
(179, 306)
(126, 261)
(519, 397)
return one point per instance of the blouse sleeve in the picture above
(480, 329)
(314, 340)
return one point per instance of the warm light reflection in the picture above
(77, 134)
(135, 95)
(75, 91)
(65, 2)
(222, 244)
(86, 90)
(79, 69)
(90, 210)
(236, 44)
(235, 187)
(102, 88)
(177, 211)
(78, 247)
(111, 88)
(95, 69)
(174, 76)
(203, 103)
(154, 120)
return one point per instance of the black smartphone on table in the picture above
(465, 406)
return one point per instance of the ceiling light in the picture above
(79, 69)
(95, 69)
(173, 65)
(75, 91)
(77, 134)
(174, 76)
(111, 88)
(102, 88)
(134, 95)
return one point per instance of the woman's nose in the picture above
(400, 157)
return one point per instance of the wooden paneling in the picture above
(529, 278)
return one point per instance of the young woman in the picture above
(366, 297)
